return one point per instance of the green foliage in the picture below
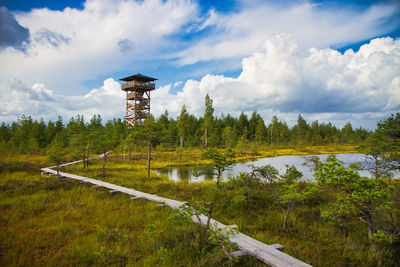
(254, 149)
(45, 222)
(55, 152)
(368, 200)
(382, 238)
(208, 119)
(292, 174)
(301, 129)
(106, 256)
(391, 130)
(379, 162)
(182, 125)
(216, 236)
(79, 145)
(311, 162)
(229, 136)
(33, 136)
(245, 184)
(220, 237)
(267, 172)
(168, 131)
(90, 227)
(383, 147)
(219, 161)
(151, 129)
(294, 192)
(261, 131)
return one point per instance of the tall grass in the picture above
(44, 221)
(48, 222)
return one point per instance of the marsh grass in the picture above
(68, 223)
(45, 222)
(48, 222)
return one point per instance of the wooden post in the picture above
(58, 171)
(124, 150)
(104, 164)
(148, 159)
(84, 158)
(87, 158)
(209, 214)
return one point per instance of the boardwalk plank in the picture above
(247, 245)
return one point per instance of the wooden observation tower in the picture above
(137, 88)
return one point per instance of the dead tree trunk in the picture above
(371, 231)
(124, 151)
(205, 137)
(209, 213)
(219, 174)
(104, 164)
(181, 141)
(290, 207)
(58, 171)
(87, 159)
(84, 158)
(148, 159)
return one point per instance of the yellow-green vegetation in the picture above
(193, 156)
(48, 222)
(273, 151)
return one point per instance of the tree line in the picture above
(34, 136)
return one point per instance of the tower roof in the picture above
(138, 77)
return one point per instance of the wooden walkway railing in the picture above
(268, 254)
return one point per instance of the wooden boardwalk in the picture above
(268, 254)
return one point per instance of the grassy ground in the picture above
(45, 222)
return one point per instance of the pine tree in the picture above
(208, 118)
(261, 131)
(183, 124)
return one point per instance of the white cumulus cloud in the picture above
(283, 79)
(279, 73)
(40, 102)
(239, 34)
(74, 45)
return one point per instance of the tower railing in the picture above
(138, 85)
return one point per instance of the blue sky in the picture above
(277, 57)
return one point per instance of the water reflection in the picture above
(178, 174)
(186, 173)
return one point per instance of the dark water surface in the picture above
(186, 173)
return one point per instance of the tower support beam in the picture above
(137, 88)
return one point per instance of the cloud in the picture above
(40, 102)
(311, 25)
(176, 84)
(46, 37)
(125, 45)
(11, 32)
(279, 76)
(71, 46)
(283, 79)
